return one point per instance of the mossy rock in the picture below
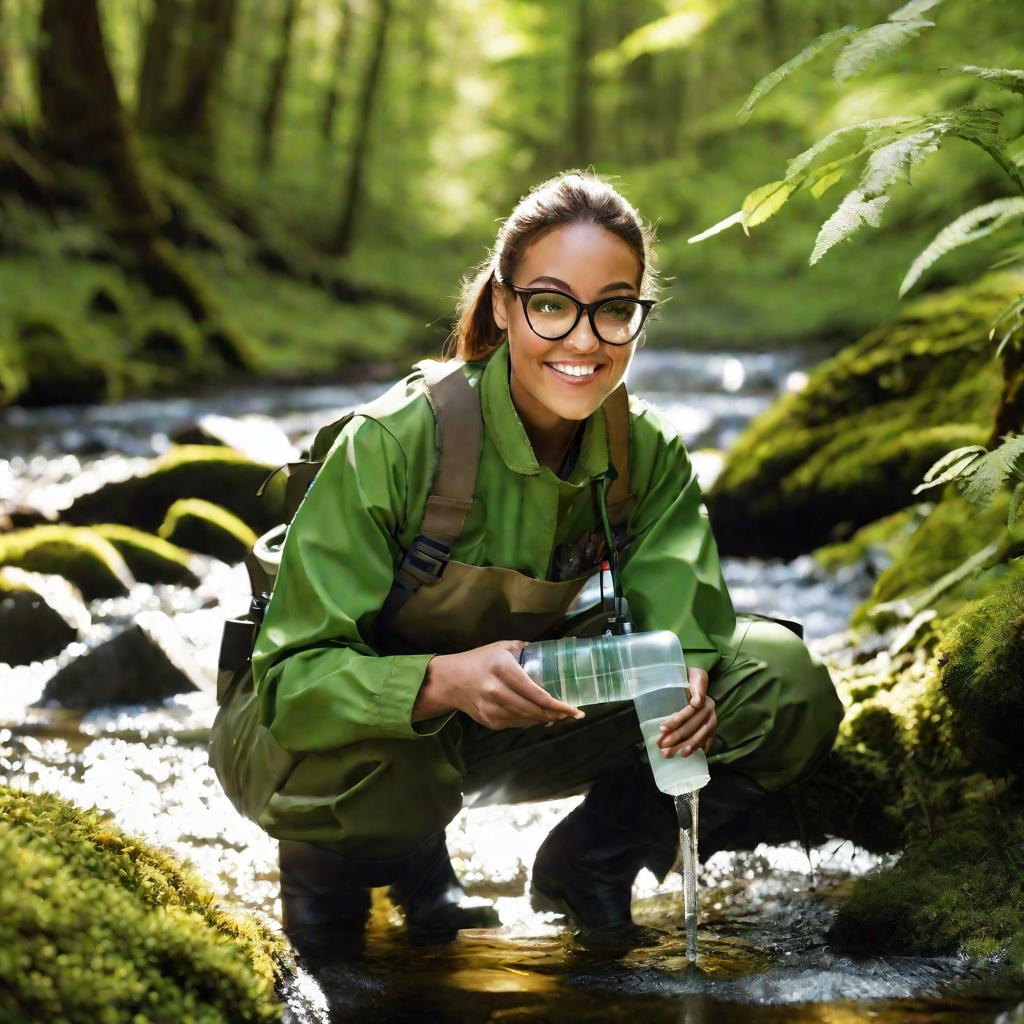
(13, 377)
(874, 545)
(202, 526)
(981, 668)
(151, 559)
(78, 554)
(215, 474)
(960, 889)
(851, 446)
(173, 343)
(58, 369)
(99, 926)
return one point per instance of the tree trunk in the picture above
(158, 58)
(580, 114)
(360, 143)
(1009, 415)
(334, 97)
(193, 122)
(278, 81)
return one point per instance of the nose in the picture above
(582, 338)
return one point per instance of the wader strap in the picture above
(456, 406)
(620, 501)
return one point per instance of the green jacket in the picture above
(321, 685)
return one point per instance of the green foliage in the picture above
(202, 526)
(97, 926)
(78, 554)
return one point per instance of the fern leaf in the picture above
(735, 218)
(766, 201)
(874, 43)
(1008, 78)
(825, 181)
(986, 477)
(913, 10)
(854, 211)
(805, 56)
(1016, 310)
(950, 466)
(975, 124)
(967, 228)
(1010, 256)
(895, 159)
(1016, 503)
(803, 160)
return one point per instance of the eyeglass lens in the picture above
(551, 315)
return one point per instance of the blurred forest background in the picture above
(194, 187)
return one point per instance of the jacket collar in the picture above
(506, 430)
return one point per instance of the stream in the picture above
(763, 913)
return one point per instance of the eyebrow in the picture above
(607, 288)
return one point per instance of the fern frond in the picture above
(852, 212)
(950, 466)
(823, 182)
(805, 56)
(766, 201)
(1008, 78)
(1016, 503)
(986, 477)
(1016, 310)
(967, 228)
(874, 43)
(886, 164)
(1010, 256)
(976, 124)
(803, 160)
(912, 10)
(735, 218)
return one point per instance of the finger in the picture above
(519, 681)
(674, 721)
(687, 729)
(693, 742)
(511, 703)
(698, 686)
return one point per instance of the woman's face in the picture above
(590, 263)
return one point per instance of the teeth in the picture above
(575, 370)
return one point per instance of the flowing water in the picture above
(691, 866)
(763, 955)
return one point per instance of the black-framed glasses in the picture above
(552, 314)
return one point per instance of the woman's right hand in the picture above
(490, 686)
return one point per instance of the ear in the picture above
(499, 305)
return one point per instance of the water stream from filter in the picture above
(688, 842)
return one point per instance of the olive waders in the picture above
(373, 813)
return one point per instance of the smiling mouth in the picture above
(577, 373)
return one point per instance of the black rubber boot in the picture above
(429, 895)
(586, 866)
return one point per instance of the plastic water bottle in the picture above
(647, 668)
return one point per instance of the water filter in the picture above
(647, 668)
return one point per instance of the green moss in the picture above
(202, 526)
(98, 926)
(981, 668)
(876, 544)
(852, 445)
(151, 559)
(959, 889)
(216, 474)
(79, 554)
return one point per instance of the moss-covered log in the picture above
(96, 925)
(202, 526)
(852, 445)
(215, 474)
(79, 554)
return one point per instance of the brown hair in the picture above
(571, 197)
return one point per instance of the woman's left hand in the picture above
(695, 725)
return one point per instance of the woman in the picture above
(392, 716)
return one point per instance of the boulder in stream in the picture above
(151, 559)
(852, 445)
(99, 925)
(202, 526)
(144, 664)
(211, 472)
(78, 554)
(30, 628)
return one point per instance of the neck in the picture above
(550, 435)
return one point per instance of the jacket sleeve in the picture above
(671, 573)
(321, 685)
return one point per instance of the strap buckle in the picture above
(424, 563)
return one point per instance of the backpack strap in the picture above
(456, 406)
(620, 501)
